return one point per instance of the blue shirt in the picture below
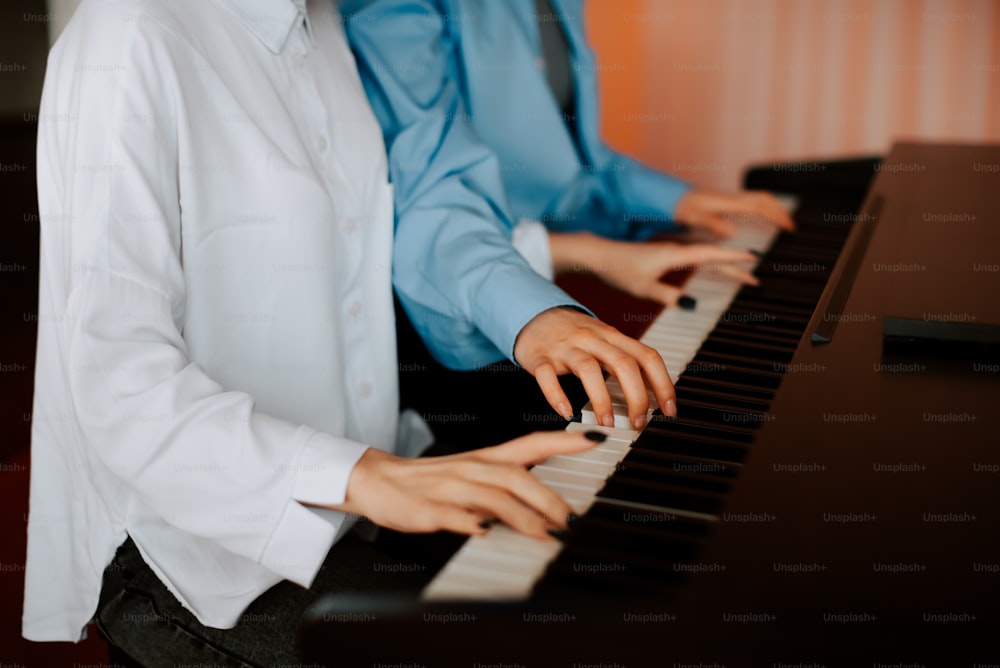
(476, 141)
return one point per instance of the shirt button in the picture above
(540, 63)
(321, 144)
(365, 388)
(355, 308)
(299, 59)
(350, 224)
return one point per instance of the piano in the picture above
(828, 493)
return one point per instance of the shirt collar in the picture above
(271, 21)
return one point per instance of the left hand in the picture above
(716, 211)
(636, 268)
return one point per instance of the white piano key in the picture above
(577, 497)
(487, 579)
(442, 588)
(563, 463)
(503, 540)
(574, 470)
(625, 436)
(503, 563)
(567, 478)
(594, 456)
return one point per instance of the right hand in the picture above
(457, 492)
(563, 340)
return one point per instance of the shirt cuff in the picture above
(503, 305)
(324, 469)
(531, 240)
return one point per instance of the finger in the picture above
(719, 225)
(626, 369)
(655, 373)
(708, 254)
(652, 373)
(507, 508)
(664, 293)
(767, 205)
(741, 275)
(524, 487)
(548, 381)
(430, 516)
(588, 369)
(533, 448)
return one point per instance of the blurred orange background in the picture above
(703, 88)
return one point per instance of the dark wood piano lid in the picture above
(875, 489)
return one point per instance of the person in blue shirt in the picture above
(481, 142)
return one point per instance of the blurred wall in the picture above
(702, 88)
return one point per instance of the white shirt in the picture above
(216, 336)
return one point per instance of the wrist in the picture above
(578, 251)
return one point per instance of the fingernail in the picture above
(671, 408)
(756, 252)
(595, 436)
(572, 519)
(486, 523)
(566, 411)
(557, 533)
(608, 420)
(687, 302)
(639, 421)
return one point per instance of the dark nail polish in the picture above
(756, 252)
(572, 519)
(595, 436)
(687, 302)
(557, 533)
(486, 523)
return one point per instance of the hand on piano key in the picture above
(722, 212)
(637, 267)
(564, 340)
(467, 492)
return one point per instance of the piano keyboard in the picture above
(680, 485)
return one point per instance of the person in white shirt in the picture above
(216, 382)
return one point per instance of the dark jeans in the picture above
(138, 615)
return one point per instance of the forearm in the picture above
(581, 251)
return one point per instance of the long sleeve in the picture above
(192, 451)
(647, 197)
(212, 348)
(465, 288)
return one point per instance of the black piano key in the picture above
(709, 467)
(641, 470)
(622, 487)
(718, 385)
(721, 415)
(742, 363)
(721, 400)
(654, 443)
(672, 523)
(756, 351)
(767, 312)
(681, 426)
(758, 331)
(779, 290)
(760, 379)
